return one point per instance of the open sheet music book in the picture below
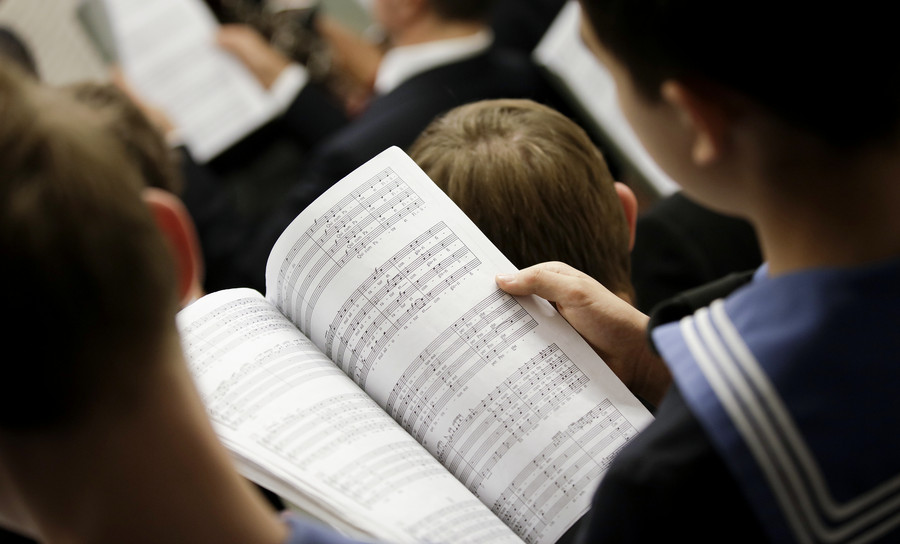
(385, 384)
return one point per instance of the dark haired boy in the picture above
(777, 417)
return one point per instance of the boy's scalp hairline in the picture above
(473, 140)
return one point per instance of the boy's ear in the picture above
(705, 113)
(177, 226)
(630, 206)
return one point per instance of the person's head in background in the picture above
(143, 141)
(720, 91)
(157, 162)
(90, 277)
(535, 184)
(100, 424)
(13, 49)
(91, 268)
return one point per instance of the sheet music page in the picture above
(168, 51)
(297, 425)
(395, 284)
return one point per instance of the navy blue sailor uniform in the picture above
(781, 424)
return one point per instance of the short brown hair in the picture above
(534, 183)
(145, 144)
(87, 276)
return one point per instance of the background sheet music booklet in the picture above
(386, 386)
(167, 51)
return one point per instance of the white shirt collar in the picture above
(402, 63)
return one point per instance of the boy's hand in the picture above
(616, 330)
(263, 60)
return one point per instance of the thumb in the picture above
(553, 281)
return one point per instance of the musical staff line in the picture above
(394, 295)
(476, 340)
(567, 466)
(346, 231)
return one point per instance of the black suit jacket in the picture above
(340, 144)
(521, 24)
(336, 145)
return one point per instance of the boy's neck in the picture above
(155, 474)
(843, 212)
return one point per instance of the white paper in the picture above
(297, 425)
(395, 284)
(168, 51)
